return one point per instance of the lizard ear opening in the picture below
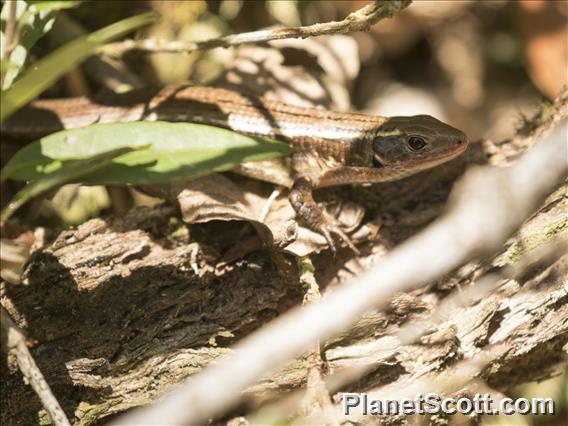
(377, 164)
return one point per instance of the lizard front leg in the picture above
(308, 211)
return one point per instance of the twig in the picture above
(10, 41)
(360, 20)
(10, 35)
(16, 343)
(266, 207)
(316, 398)
(487, 207)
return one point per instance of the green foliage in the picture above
(49, 69)
(73, 170)
(119, 153)
(173, 151)
(33, 20)
(51, 5)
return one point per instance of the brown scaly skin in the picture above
(329, 148)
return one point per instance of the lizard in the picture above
(328, 148)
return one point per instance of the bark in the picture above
(117, 314)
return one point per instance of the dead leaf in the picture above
(15, 249)
(220, 197)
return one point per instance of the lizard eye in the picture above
(416, 143)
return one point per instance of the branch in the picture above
(16, 343)
(360, 20)
(11, 35)
(488, 205)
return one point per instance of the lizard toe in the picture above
(327, 232)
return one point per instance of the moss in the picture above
(544, 114)
(306, 266)
(93, 413)
(44, 418)
(532, 240)
(180, 232)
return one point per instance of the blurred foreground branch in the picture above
(488, 205)
(16, 343)
(360, 20)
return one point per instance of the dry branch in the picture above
(360, 20)
(16, 343)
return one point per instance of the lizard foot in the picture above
(328, 230)
(307, 209)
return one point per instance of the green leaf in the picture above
(34, 19)
(48, 70)
(41, 5)
(31, 25)
(174, 151)
(72, 171)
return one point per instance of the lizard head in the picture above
(416, 143)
